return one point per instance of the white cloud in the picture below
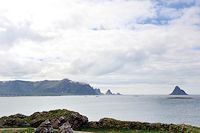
(100, 42)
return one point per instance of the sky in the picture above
(128, 46)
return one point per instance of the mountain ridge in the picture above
(46, 87)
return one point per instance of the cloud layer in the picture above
(133, 46)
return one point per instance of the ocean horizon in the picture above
(145, 108)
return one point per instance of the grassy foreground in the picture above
(17, 130)
(120, 131)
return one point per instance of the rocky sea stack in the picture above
(178, 91)
(109, 92)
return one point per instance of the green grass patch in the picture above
(17, 130)
(120, 131)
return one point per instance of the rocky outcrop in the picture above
(77, 121)
(56, 123)
(14, 121)
(178, 91)
(65, 120)
(56, 118)
(45, 127)
(109, 123)
(108, 92)
(65, 128)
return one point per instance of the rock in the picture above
(78, 121)
(62, 119)
(55, 123)
(58, 117)
(109, 123)
(17, 120)
(65, 128)
(45, 127)
(37, 118)
(109, 92)
(178, 91)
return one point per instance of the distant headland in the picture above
(48, 88)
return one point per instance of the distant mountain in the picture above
(46, 87)
(178, 91)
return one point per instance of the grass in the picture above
(120, 131)
(17, 130)
(189, 130)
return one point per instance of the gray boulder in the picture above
(55, 123)
(77, 121)
(45, 127)
(65, 128)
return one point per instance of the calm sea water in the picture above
(163, 109)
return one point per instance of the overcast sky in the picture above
(130, 46)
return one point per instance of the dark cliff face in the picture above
(46, 87)
(178, 91)
(98, 91)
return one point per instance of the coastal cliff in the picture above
(46, 88)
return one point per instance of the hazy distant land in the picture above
(48, 88)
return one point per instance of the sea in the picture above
(144, 108)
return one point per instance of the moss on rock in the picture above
(109, 123)
(76, 120)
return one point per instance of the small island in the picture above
(178, 91)
(109, 92)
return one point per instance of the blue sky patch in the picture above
(174, 4)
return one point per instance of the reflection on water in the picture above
(179, 97)
(166, 109)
